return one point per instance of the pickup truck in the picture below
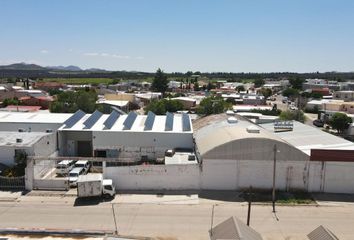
(93, 185)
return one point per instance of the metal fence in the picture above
(12, 183)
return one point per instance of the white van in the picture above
(74, 175)
(83, 164)
(64, 167)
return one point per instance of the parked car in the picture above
(318, 123)
(74, 175)
(83, 164)
(64, 167)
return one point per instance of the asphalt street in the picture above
(172, 221)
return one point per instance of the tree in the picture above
(240, 88)
(290, 92)
(196, 86)
(212, 105)
(266, 92)
(296, 115)
(316, 95)
(70, 102)
(162, 106)
(258, 83)
(10, 101)
(296, 83)
(160, 82)
(210, 86)
(340, 122)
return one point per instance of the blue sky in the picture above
(180, 35)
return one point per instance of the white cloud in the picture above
(91, 54)
(108, 55)
(44, 51)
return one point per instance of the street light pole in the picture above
(274, 169)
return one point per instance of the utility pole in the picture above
(274, 169)
(249, 206)
(212, 221)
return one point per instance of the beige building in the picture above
(347, 96)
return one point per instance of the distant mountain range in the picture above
(34, 67)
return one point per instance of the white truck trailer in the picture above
(93, 185)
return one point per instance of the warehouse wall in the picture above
(240, 174)
(142, 139)
(331, 177)
(154, 177)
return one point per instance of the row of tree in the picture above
(70, 102)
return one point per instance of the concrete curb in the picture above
(59, 232)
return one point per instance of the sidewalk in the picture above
(9, 195)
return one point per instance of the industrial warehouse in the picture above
(151, 152)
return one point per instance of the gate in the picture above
(12, 183)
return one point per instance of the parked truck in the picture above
(93, 185)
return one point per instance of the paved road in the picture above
(189, 221)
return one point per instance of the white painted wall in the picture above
(339, 177)
(7, 154)
(154, 177)
(163, 140)
(220, 174)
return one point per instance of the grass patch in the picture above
(281, 197)
(80, 81)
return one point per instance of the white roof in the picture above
(138, 124)
(215, 130)
(30, 91)
(2, 88)
(319, 102)
(17, 87)
(90, 177)
(28, 138)
(187, 99)
(180, 158)
(118, 103)
(305, 138)
(250, 107)
(20, 117)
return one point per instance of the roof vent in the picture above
(19, 140)
(230, 113)
(253, 129)
(232, 120)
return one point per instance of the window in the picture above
(108, 187)
(101, 153)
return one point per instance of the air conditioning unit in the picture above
(21, 130)
(232, 120)
(19, 140)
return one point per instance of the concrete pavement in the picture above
(171, 221)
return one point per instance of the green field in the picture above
(80, 80)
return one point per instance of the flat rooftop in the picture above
(305, 138)
(180, 158)
(20, 117)
(28, 138)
